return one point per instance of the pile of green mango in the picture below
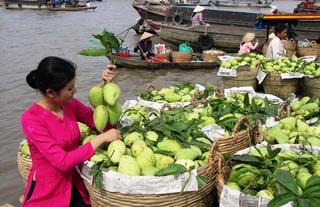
(249, 59)
(305, 108)
(142, 154)
(105, 100)
(293, 131)
(184, 92)
(284, 65)
(312, 69)
(257, 175)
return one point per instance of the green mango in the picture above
(265, 194)
(132, 138)
(233, 186)
(146, 158)
(152, 136)
(111, 93)
(302, 126)
(239, 169)
(186, 154)
(149, 171)
(310, 107)
(114, 112)
(288, 123)
(99, 157)
(188, 164)
(186, 98)
(172, 97)
(88, 139)
(163, 161)
(138, 147)
(245, 178)
(129, 166)
(100, 117)
(314, 141)
(95, 96)
(170, 145)
(25, 148)
(302, 179)
(116, 150)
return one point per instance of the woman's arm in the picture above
(252, 47)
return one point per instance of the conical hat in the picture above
(146, 35)
(248, 37)
(198, 8)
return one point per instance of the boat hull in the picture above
(136, 63)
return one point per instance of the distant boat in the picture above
(39, 5)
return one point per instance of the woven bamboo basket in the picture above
(211, 55)
(230, 145)
(200, 198)
(245, 77)
(290, 46)
(181, 57)
(24, 164)
(313, 49)
(273, 84)
(311, 87)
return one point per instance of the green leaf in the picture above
(246, 158)
(305, 202)
(172, 169)
(246, 100)
(93, 52)
(312, 181)
(202, 181)
(281, 200)
(286, 179)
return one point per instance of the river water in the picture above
(28, 36)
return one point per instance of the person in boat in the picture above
(276, 46)
(274, 10)
(51, 129)
(246, 45)
(144, 46)
(197, 16)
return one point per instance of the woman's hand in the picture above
(109, 73)
(111, 135)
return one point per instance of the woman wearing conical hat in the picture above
(197, 16)
(246, 45)
(144, 46)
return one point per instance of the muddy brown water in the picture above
(28, 36)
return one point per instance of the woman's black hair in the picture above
(278, 29)
(52, 73)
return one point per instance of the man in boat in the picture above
(276, 47)
(144, 46)
(197, 16)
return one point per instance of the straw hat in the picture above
(273, 8)
(198, 8)
(146, 35)
(248, 37)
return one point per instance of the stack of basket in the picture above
(311, 49)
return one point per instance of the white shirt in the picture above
(275, 49)
(88, 4)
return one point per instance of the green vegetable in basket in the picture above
(233, 185)
(132, 137)
(265, 194)
(163, 161)
(129, 166)
(146, 158)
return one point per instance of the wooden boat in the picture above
(41, 5)
(12, 7)
(224, 37)
(240, 4)
(240, 19)
(136, 63)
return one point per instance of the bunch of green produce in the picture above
(284, 65)
(185, 92)
(164, 145)
(312, 69)
(140, 114)
(248, 59)
(278, 176)
(227, 111)
(293, 131)
(105, 100)
(305, 108)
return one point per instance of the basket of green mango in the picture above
(311, 83)
(24, 160)
(278, 175)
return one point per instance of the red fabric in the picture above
(308, 5)
(55, 153)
